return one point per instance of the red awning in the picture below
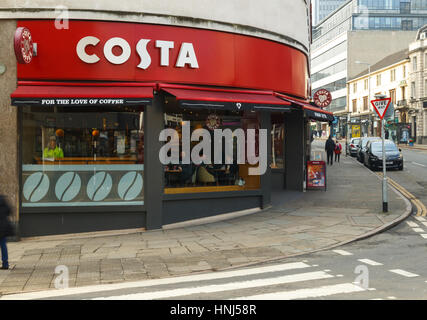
(311, 111)
(227, 99)
(81, 94)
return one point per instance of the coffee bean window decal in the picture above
(82, 185)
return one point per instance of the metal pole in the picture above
(385, 202)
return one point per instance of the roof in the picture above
(385, 62)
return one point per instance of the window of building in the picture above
(403, 93)
(425, 60)
(392, 75)
(404, 71)
(82, 156)
(392, 94)
(425, 87)
(407, 25)
(365, 103)
(355, 87)
(378, 79)
(366, 84)
(412, 90)
(229, 174)
(405, 7)
(414, 64)
(354, 105)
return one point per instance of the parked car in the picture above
(352, 146)
(361, 147)
(374, 157)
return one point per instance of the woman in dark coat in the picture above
(6, 230)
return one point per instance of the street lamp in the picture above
(369, 85)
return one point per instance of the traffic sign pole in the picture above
(385, 200)
(381, 106)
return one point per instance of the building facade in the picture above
(322, 8)
(416, 100)
(358, 34)
(388, 77)
(90, 97)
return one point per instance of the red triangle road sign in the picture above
(381, 106)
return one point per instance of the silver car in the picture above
(352, 146)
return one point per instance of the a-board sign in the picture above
(316, 175)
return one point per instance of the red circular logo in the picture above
(322, 98)
(23, 45)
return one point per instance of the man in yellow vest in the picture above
(52, 150)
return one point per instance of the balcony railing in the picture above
(402, 103)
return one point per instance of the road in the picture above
(391, 265)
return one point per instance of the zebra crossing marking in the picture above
(247, 284)
(370, 262)
(404, 273)
(412, 224)
(306, 293)
(343, 252)
(156, 282)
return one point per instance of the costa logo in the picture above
(186, 56)
(322, 98)
(23, 44)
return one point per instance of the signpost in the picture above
(381, 105)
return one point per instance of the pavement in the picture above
(297, 223)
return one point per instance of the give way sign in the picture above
(381, 106)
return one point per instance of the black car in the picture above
(361, 147)
(373, 155)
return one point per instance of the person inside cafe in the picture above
(52, 150)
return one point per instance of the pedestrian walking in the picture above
(330, 148)
(338, 149)
(6, 230)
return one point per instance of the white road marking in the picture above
(156, 282)
(424, 235)
(412, 224)
(391, 297)
(339, 275)
(418, 230)
(420, 218)
(370, 262)
(419, 164)
(306, 293)
(404, 273)
(424, 223)
(317, 275)
(343, 252)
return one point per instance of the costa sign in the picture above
(186, 56)
(23, 44)
(140, 52)
(322, 98)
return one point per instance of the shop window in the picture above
(87, 156)
(188, 176)
(277, 145)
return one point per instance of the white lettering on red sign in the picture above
(186, 55)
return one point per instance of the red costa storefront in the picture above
(94, 99)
